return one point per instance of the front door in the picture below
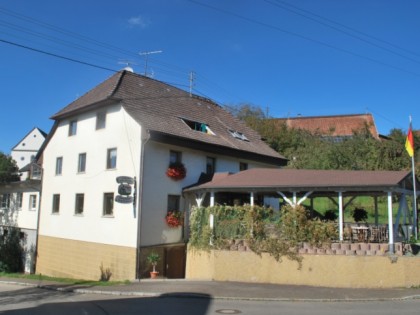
(175, 262)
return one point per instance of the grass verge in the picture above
(68, 281)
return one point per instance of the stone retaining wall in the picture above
(352, 271)
(360, 249)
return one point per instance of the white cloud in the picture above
(138, 21)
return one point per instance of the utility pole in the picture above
(146, 56)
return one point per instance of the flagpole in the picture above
(414, 192)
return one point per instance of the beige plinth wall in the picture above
(317, 270)
(82, 260)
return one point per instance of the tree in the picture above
(11, 251)
(8, 169)
(306, 150)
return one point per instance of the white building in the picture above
(19, 201)
(26, 150)
(131, 126)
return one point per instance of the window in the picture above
(210, 165)
(80, 200)
(19, 198)
(5, 201)
(32, 202)
(175, 157)
(111, 158)
(173, 202)
(243, 166)
(100, 120)
(108, 206)
(59, 166)
(56, 203)
(35, 171)
(73, 128)
(81, 166)
(198, 126)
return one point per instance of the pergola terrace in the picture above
(295, 186)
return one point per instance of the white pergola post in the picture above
(251, 198)
(285, 198)
(199, 197)
(212, 199)
(211, 218)
(340, 215)
(390, 228)
(294, 199)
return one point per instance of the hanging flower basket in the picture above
(176, 171)
(174, 219)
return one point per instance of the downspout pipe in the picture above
(145, 137)
(38, 220)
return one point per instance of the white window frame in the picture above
(32, 202)
(101, 120)
(19, 200)
(72, 128)
(5, 201)
(56, 204)
(59, 165)
(105, 205)
(81, 164)
(111, 158)
(77, 205)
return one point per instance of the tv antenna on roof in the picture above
(146, 57)
(128, 64)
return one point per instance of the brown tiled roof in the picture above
(159, 108)
(298, 180)
(341, 125)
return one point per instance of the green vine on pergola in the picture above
(278, 233)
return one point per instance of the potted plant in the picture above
(153, 259)
(174, 218)
(176, 171)
(359, 215)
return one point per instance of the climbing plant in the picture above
(281, 234)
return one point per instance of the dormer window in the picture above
(238, 135)
(198, 126)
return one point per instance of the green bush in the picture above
(11, 251)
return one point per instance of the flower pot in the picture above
(172, 235)
(154, 274)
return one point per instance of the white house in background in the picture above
(129, 129)
(19, 201)
(25, 151)
(19, 206)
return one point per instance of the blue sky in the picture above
(307, 57)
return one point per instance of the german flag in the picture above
(409, 142)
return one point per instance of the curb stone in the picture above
(202, 295)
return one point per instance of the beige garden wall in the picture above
(317, 270)
(60, 257)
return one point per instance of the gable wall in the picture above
(27, 148)
(121, 132)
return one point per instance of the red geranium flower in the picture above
(174, 219)
(176, 171)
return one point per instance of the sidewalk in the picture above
(229, 290)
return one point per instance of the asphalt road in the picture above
(16, 299)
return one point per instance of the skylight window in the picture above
(238, 135)
(198, 126)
